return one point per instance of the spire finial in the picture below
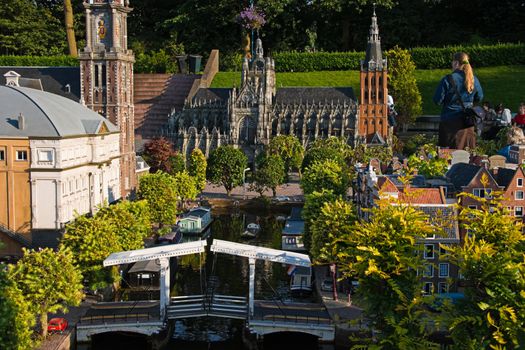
(374, 6)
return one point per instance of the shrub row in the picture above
(39, 61)
(424, 58)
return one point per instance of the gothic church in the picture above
(249, 116)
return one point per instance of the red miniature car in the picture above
(57, 324)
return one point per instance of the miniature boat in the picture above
(251, 231)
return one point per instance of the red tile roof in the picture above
(422, 196)
(384, 184)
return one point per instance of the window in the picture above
(2, 154)
(520, 182)
(442, 287)
(428, 288)
(518, 211)
(21, 155)
(442, 250)
(429, 270)
(482, 192)
(443, 270)
(473, 207)
(519, 195)
(45, 156)
(429, 251)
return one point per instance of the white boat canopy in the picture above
(254, 252)
(164, 251)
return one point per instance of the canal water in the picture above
(227, 275)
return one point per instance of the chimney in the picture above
(21, 122)
(495, 171)
(11, 78)
(485, 163)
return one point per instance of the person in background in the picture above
(452, 132)
(503, 115)
(519, 119)
(490, 128)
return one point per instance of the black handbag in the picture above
(470, 115)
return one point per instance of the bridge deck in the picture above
(122, 312)
(277, 311)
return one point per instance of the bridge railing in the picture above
(124, 318)
(303, 319)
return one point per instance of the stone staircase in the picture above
(155, 96)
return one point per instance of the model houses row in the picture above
(438, 198)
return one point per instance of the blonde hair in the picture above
(464, 64)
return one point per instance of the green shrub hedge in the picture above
(39, 61)
(424, 58)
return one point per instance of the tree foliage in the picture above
(225, 167)
(289, 148)
(160, 190)
(197, 168)
(492, 263)
(16, 321)
(49, 281)
(270, 173)
(336, 219)
(402, 85)
(381, 254)
(332, 148)
(427, 162)
(326, 175)
(113, 229)
(313, 204)
(185, 186)
(160, 155)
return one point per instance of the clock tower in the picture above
(106, 72)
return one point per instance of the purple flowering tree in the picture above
(252, 19)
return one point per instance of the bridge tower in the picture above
(106, 71)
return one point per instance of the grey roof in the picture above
(51, 79)
(198, 212)
(212, 94)
(461, 174)
(45, 115)
(145, 266)
(373, 49)
(314, 94)
(504, 176)
(445, 217)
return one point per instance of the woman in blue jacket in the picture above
(452, 132)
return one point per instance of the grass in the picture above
(504, 84)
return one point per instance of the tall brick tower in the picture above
(106, 71)
(373, 109)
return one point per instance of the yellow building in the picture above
(15, 191)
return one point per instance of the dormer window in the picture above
(520, 182)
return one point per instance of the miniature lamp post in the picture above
(244, 182)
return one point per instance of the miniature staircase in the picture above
(155, 96)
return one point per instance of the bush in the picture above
(42, 61)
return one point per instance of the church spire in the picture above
(374, 56)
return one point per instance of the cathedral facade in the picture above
(249, 116)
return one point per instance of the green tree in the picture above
(176, 163)
(92, 239)
(270, 173)
(29, 29)
(131, 221)
(16, 321)
(185, 186)
(160, 191)
(313, 204)
(225, 167)
(289, 148)
(327, 175)
(336, 219)
(381, 254)
(49, 281)
(402, 85)
(197, 168)
(332, 148)
(427, 162)
(492, 263)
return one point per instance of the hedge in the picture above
(38, 61)
(424, 58)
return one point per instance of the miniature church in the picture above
(249, 116)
